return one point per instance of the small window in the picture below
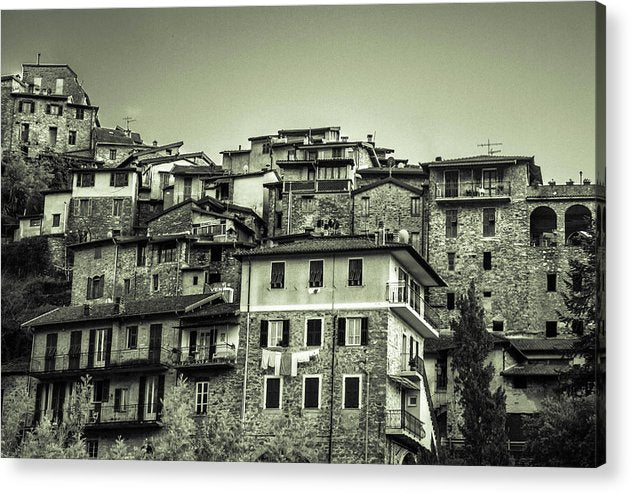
(551, 328)
(578, 327)
(98, 252)
(451, 223)
(127, 286)
(35, 222)
(117, 208)
(311, 392)
(277, 279)
(412, 400)
(121, 400)
(112, 154)
(451, 301)
(275, 333)
(119, 179)
(486, 294)
(273, 392)
(353, 331)
(308, 204)
(26, 107)
(552, 282)
(278, 220)
(486, 261)
(195, 280)
(52, 136)
(351, 392)
(451, 261)
(488, 222)
(365, 206)
(54, 109)
(141, 255)
(577, 282)
(56, 220)
(520, 383)
(85, 179)
(132, 337)
(498, 325)
(79, 113)
(314, 332)
(167, 253)
(95, 287)
(188, 188)
(415, 206)
(316, 273)
(92, 447)
(85, 207)
(201, 397)
(355, 271)
(72, 137)
(156, 282)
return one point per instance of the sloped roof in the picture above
(480, 159)
(179, 169)
(446, 341)
(541, 344)
(115, 136)
(536, 370)
(386, 181)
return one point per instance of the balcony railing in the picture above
(316, 186)
(404, 292)
(411, 363)
(118, 358)
(472, 189)
(209, 229)
(124, 413)
(403, 420)
(219, 354)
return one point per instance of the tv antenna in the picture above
(489, 146)
(128, 120)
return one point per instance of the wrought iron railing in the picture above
(200, 355)
(124, 413)
(341, 185)
(473, 189)
(403, 420)
(209, 229)
(411, 363)
(404, 292)
(116, 358)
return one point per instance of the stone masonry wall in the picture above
(101, 221)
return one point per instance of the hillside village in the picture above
(310, 275)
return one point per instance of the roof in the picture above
(104, 311)
(214, 311)
(408, 170)
(51, 192)
(535, 370)
(179, 169)
(179, 157)
(481, 159)
(305, 130)
(543, 344)
(115, 136)
(386, 181)
(50, 65)
(446, 341)
(236, 151)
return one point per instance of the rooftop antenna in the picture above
(489, 144)
(128, 120)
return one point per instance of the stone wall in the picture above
(101, 222)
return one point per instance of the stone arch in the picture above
(408, 460)
(543, 226)
(577, 218)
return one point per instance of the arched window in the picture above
(543, 227)
(578, 219)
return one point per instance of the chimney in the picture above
(239, 146)
(344, 138)
(439, 158)
(155, 143)
(86, 310)
(369, 137)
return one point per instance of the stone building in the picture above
(334, 331)
(111, 146)
(46, 110)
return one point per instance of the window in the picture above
(26, 107)
(350, 391)
(24, 132)
(85, 207)
(52, 136)
(278, 275)
(552, 282)
(278, 220)
(551, 328)
(85, 179)
(72, 137)
(451, 261)
(95, 287)
(412, 400)
(166, 253)
(54, 109)
(201, 397)
(164, 180)
(365, 207)
(265, 148)
(116, 232)
(92, 447)
(486, 294)
(338, 152)
(35, 222)
(188, 187)
(112, 154)
(119, 179)
(311, 392)
(355, 271)
(156, 282)
(577, 282)
(316, 273)
(59, 86)
(415, 206)
(486, 261)
(272, 392)
(277, 333)
(578, 327)
(498, 325)
(127, 286)
(98, 252)
(451, 223)
(353, 331)
(488, 222)
(121, 400)
(141, 255)
(132, 337)
(79, 113)
(314, 332)
(451, 301)
(415, 240)
(520, 383)
(308, 204)
(56, 220)
(195, 280)
(117, 207)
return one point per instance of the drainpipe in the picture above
(366, 425)
(115, 269)
(334, 340)
(247, 345)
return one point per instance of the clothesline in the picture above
(286, 363)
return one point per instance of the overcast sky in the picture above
(429, 80)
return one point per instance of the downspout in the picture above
(366, 424)
(334, 332)
(115, 269)
(247, 345)
(30, 378)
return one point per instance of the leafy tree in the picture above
(23, 181)
(484, 412)
(563, 434)
(292, 442)
(219, 438)
(122, 451)
(15, 410)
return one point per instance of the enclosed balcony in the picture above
(463, 191)
(114, 361)
(406, 300)
(124, 416)
(404, 427)
(317, 186)
(219, 356)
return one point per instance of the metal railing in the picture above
(411, 363)
(458, 443)
(116, 358)
(342, 185)
(124, 413)
(209, 229)
(473, 189)
(403, 420)
(404, 292)
(216, 354)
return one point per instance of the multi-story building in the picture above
(334, 330)
(46, 110)
(111, 146)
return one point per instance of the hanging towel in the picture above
(294, 364)
(265, 354)
(285, 363)
(277, 358)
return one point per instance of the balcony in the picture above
(317, 186)
(464, 191)
(219, 356)
(124, 416)
(404, 427)
(217, 231)
(116, 361)
(406, 301)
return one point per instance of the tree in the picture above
(484, 412)
(15, 410)
(122, 451)
(292, 442)
(23, 181)
(220, 438)
(563, 434)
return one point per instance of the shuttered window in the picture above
(351, 392)
(275, 333)
(278, 275)
(355, 271)
(451, 223)
(488, 222)
(311, 394)
(119, 179)
(85, 179)
(272, 392)
(316, 273)
(415, 206)
(314, 332)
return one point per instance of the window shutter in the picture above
(106, 391)
(264, 333)
(141, 398)
(108, 343)
(192, 343)
(160, 395)
(75, 211)
(48, 109)
(112, 179)
(117, 399)
(89, 207)
(88, 293)
(33, 107)
(341, 331)
(285, 341)
(61, 110)
(101, 286)
(364, 331)
(91, 348)
(20, 106)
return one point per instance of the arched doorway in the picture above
(408, 460)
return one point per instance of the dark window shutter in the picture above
(106, 391)
(272, 396)
(314, 332)
(141, 398)
(61, 110)
(108, 344)
(341, 331)
(351, 393)
(285, 341)
(264, 333)
(192, 343)
(364, 331)
(117, 399)
(20, 107)
(48, 109)
(311, 392)
(91, 348)
(33, 107)
(160, 395)
(111, 179)
(88, 293)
